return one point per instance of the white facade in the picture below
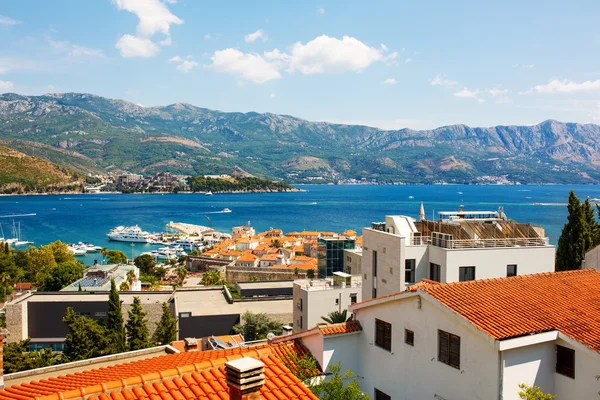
(400, 241)
(353, 261)
(316, 298)
(489, 369)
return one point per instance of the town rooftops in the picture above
(504, 308)
(324, 330)
(194, 375)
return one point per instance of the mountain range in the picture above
(89, 134)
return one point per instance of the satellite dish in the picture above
(270, 335)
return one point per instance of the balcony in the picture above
(479, 243)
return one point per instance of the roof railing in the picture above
(479, 243)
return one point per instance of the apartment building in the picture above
(315, 298)
(471, 340)
(460, 246)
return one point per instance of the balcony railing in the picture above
(479, 243)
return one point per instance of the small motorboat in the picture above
(226, 210)
(209, 193)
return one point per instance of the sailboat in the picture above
(15, 238)
(20, 242)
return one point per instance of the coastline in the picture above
(293, 190)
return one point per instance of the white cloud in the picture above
(133, 46)
(253, 37)
(321, 10)
(171, 1)
(524, 66)
(408, 60)
(442, 80)
(497, 92)
(174, 59)
(3, 70)
(6, 21)
(384, 48)
(82, 51)
(466, 93)
(208, 36)
(6, 85)
(154, 17)
(390, 81)
(187, 66)
(273, 95)
(329, 54)
(565, 86)
(251, 67)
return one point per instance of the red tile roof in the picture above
(510, 307)
(338, 329)
(198, 375)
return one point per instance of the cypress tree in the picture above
(166, 328)
(138, 336)
(576, 236)
(114, 323)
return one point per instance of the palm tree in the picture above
(124, 286)
(181, 274)
(5, 280)
(130, 277)
(337, 317)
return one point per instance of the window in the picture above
(353, 297)
(374, 263)
(337, 302)
(383, 334)
(435, 272)
(300, 305)
(511, 270)
(379, 395)
(565, 361)
(185, 314)
(409, 337)
(466, 274)
(409, 271)
(301, 325)
(449, 349)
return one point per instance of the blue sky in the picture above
(385, 63)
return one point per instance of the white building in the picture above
(315, 298)
(460, 246)
(472, 340)
(353, 261)
(243, 231)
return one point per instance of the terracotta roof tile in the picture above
(338, 329)
(511, 307)
(180, 376)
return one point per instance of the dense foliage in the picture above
(202, 184)
(138, 335)
(257, 326)
(212, 278)
(86, 338)
(339, 386)
(62, 275)
(337, 317)
(145, 262)
(114, 322)
(580, 234)
(116, 257)
(166, 328)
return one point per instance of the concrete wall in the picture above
(236, 274)
(16, 321)
(390, 277)
(413, 372)
(353, 262)
(533, 365)
(592, 258)
(587, 365)
(342, 349)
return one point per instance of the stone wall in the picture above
(237, 274)
(201, 264)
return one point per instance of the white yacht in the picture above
(76, 250)
(88, 247)
(130, 234)
(209, 193)
(188, 243)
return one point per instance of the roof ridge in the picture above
(141, 379)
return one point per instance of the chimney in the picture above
(191, 344)
(3, 335)
(244, 376)
(287, 330)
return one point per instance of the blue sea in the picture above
(89, 217)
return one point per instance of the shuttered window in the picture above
(565, 361)
(449, 349)
(383, 334)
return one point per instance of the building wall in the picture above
(592, 258)
(16, 321)
(390, 277)
(342, 349)
(533, 365)
(491, 263)
(353, 262)
(319, 303)
(413, 372)
(587, 365)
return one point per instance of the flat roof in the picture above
(342, 274)
(213, 302)
(146, 297)
(265, 285)
(466, 212)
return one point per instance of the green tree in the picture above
(138, 336)
(310, 274)
(130, 277)
(533, 393)
(39, 261)
(17, 357)
(304, 368)
(575, 238)
(86, 338)
(116, 257)
(166, 328)
(145, 263)
(181, 274)
(337, 317)
(114, 321)
(62, 275)
(257, 326)
(124, 286)
(5, 280)
(211, 278)
(61, 252)
(336, 388)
